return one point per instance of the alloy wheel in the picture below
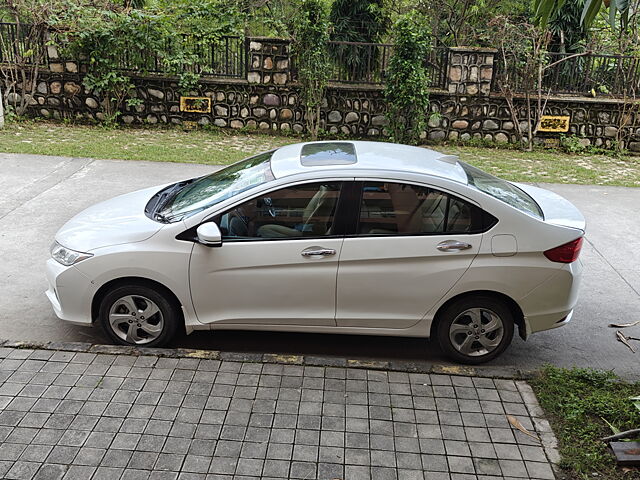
(136, 319)
(476, 332)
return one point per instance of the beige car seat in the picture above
(321, 205)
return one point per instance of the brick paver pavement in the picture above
(81, 415)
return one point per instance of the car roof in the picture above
(361, 155)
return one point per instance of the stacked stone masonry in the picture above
(268, 99)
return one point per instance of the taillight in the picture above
(567, 253)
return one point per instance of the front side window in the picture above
(301, 211)
(194, 196)
(401, 209)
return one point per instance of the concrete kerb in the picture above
(409, 366)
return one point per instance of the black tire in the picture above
(165, 320)
(488, 309)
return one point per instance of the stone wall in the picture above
(268, 99)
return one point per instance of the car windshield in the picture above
(502, 190)
(207, 191)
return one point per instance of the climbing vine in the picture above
(113, 43)
(406, 90)
(310, 34)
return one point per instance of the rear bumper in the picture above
(551, 304)
(69, 292)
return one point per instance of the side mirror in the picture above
(209, 235)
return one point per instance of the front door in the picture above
(278, 261)
(411, 244)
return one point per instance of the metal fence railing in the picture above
(20, 44)
(225, 58)
(360, 63)
(614, 75)
(368, 63)
(605, 74)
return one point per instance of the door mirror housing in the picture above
(209, 235)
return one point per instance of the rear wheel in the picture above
(476, 329)
(138, 315)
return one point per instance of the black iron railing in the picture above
(588, 74)
(368, 63)
(604, 74)
(20, 44)
(224, 58)
(359, 62)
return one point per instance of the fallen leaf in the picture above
(621, 338)
(636, 401)
(615, 430)
(516, 424)
(624, 325)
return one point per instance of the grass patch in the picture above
(221, 147)
(549, 166)
(577, 402)
(215, 147)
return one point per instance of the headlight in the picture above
(66, 256)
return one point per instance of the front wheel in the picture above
(138, 315)
(474, 330)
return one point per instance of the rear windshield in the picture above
(502, 190)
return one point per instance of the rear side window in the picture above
(402, 209)
(502, 190)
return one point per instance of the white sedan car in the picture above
(332, 237)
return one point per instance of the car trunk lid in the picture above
(556, 209)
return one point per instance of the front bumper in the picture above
(70, 293)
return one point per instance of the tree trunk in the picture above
(1, 109)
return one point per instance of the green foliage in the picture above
(112, 42)
(462, 22)
(620, 10)
(406, 90)
(357, 21)
(201, 22)
(569, 33)
(310, 36)
(583, 402)
(107, 41)
(571, 144)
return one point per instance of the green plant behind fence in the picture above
(310, 37)
(406, 90)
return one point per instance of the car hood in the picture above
(112, 222)
(557, 210)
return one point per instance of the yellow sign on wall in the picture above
(554, 123)
(195, 104)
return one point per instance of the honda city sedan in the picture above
(331, 237)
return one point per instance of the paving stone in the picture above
(49, 471)
(159, 414)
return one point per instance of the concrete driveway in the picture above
(38, 194)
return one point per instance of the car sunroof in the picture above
(329, 153)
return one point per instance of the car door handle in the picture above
(452, 246)
(317, 252)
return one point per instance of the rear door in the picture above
(408, 246)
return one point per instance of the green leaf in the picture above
(636, 401)
(615, 430)
(591, 9)
(613, 9)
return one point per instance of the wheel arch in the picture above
(513, 306)
(146, 282)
